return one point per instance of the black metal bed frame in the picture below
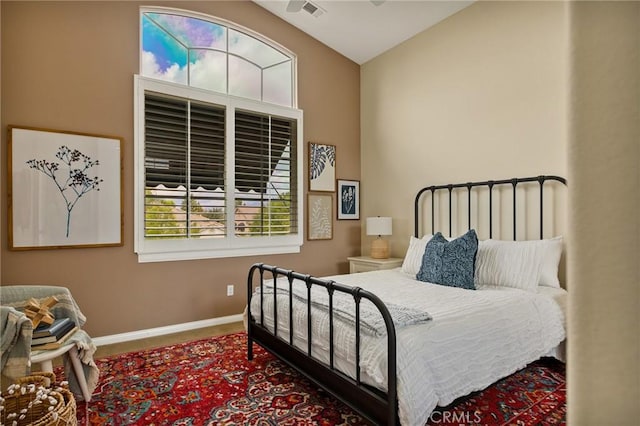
(490, 184)
(376, 406)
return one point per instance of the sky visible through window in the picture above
(211, 56)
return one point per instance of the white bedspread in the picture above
(474, 339)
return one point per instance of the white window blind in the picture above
(184, 168)
(265, 178)
(216, 176)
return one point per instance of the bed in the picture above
(393, 345)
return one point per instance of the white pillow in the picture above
(549, 270)
(518, 264)
(413, 259)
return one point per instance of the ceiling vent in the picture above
(311, 8)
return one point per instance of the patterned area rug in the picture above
(535, 395)
(211, 382)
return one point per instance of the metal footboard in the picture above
(373, 404)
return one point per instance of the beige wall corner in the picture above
(482, 95)
(604, 163)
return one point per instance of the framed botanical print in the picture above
(322, 167)
(348, 199)
(65, 189)
(320, 217)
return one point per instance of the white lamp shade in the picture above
(378, 225)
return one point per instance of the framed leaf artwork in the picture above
(348, 199)
(322, 167)
(319, 214)
(65, 189)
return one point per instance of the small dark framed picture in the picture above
(348, 199)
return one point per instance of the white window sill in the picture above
(169, 256)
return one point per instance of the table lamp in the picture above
(379, 226)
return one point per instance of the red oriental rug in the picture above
(211, 382)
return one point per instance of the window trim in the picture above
(150, 250)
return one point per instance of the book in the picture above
(55, 345)
(50, 329)
(56, 334)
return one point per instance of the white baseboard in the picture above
(161, 331)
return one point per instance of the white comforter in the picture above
(474, 339)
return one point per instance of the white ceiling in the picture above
(362, 30)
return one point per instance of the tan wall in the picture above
(482, 95)
(70, 66)
(604, 163)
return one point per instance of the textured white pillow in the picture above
(413, 259)
(549, 270)
(518, 264)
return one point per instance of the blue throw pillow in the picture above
(450, 263)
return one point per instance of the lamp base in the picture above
(380, 249)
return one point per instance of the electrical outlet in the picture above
(230, 290)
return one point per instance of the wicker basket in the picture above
(22, 406)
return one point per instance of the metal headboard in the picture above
(490, 184)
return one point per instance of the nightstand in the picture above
(366, 263)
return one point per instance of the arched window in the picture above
(215, 55)
(217, 141)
